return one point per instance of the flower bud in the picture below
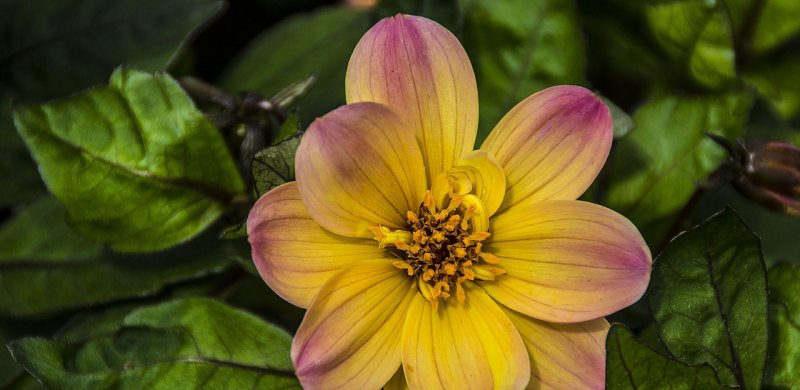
(770, 175)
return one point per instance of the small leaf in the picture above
(50, 52)
(623, 123)
(289, 127)
(784, 324)
(654, 170)
(35, 286)
(698, 34)
(188, 344)
(134, 163)
(234, 232)
(519, 47)
(708, 294)
(630, 364)
(274, 165)
(318, 44)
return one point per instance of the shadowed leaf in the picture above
(315, 44)
(519, 47)
(654, 170)
(274, 165)
(188, 344)
(708, 294)
(784, 318)
(55, 50)
(630, 364)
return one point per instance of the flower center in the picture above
(442, 248)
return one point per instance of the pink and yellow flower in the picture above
(436, 266)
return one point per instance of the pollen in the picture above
(441, 249)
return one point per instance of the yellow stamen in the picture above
(442, 247)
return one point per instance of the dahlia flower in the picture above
(425, 264)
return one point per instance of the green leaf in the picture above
(134, 163)
(318, 43)
(654, 170)
(630, 364)
(24, 381)
(518, 47)
(49, 52)
(778, 22)
(778, 81)
(289, 128)
(37, 286)
(40, 232)
(698, 34)
(708, 294)
(784, 325)
(188, 344)
(234, 232)
(274, 165)
(623, 123)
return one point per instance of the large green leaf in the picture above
(654, 170)
(54, 50)
(188, 344)
(518, 47)
(630, 364)
(697, 34)
(708, 294)
(37, 286)
(318, 43)
(784, 318)
(134, 163)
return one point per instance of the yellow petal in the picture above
(485, 174)
(463, 346)
(350, 336)
(293, 254)
(567, 261)
(419, 69)
(564, 356)
(551, 145)
(357, 167)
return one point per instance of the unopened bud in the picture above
(770, 175)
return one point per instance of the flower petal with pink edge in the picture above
(420, 70)
(293, 254)
(564, 356)
(567, 261)
(552, 145)
(350, 336)
(357, 167)
(470, 345)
